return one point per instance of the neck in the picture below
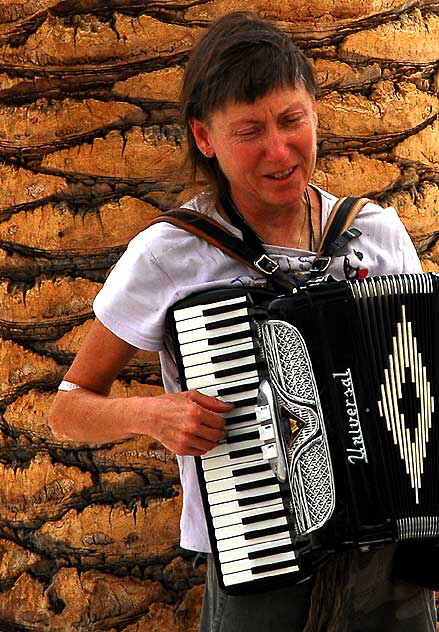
(292, 227)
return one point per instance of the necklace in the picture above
(240, 221)
(307, 216)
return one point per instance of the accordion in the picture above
(333, 441)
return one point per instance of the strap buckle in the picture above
(320, 264)
(343, 239)
(266, 265)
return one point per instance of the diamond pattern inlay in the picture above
(405, 355)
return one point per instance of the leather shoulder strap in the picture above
(206, 228)
(342, 215)
(211, 231)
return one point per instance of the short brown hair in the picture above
(241, 57)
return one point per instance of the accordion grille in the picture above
(309, 471)
(314, 482)
(289, 361)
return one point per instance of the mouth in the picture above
(281, 175)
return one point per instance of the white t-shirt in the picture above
(164, 264)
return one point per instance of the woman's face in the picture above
(267, 149)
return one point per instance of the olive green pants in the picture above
(353, 594)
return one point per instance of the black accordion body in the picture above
(334, 438)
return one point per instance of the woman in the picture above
(248, 101)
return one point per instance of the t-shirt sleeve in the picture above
(135, 297)
(393, 251)
(411, 261)
(409, 257)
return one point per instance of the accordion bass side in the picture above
(333, 441)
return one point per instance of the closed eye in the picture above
(248, 132)
(293, 120)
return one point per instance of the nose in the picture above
(276, 146)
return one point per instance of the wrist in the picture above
(138, 419)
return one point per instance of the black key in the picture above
(281, 513)
(285, 548)
(240, 388)
(236, 370)
(237, 454)
(244, 502)
(227, 322)
(223, 309)
(262, 533)
(248, 436)
(234, 355)
(225, 338)
(243, 487)
(265, 568)
(252, 469)
(241, 403)
(235, 420)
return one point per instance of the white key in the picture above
(210, 380)
(266, 432)
(246, 565)
(247, 576)
(228, 495)
(238, 401)
(233, 422)
(201, 321)
(241, 432)
(239, 411)
(224, 447)
(199, 337)
(239, 541)
(269, 451)
(242, 554)
(263, 413)
(234, 507)
(197, 310)
(230, 483)
(226, 472)
(209, 368)
(237, 530)
(233, 397)
(236, 518)
(225, 460)
(206, 357)
(206, 343)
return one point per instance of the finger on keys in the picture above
(214, 404)
(203, 445)
(214, 435)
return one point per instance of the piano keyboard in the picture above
(248, 511)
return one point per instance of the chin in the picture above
(281, 201)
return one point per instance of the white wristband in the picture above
(67, 386)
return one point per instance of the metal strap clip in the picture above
(341, 241)
(266, 265)
(320, 264)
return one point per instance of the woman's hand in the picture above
(187, 423)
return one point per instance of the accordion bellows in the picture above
(333, 440)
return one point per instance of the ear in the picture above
(315, 113)
(200, 132)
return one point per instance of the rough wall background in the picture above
(90, 150)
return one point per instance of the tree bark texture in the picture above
(90, 150)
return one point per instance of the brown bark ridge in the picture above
(91, 149)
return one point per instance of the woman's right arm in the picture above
(187, 423)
